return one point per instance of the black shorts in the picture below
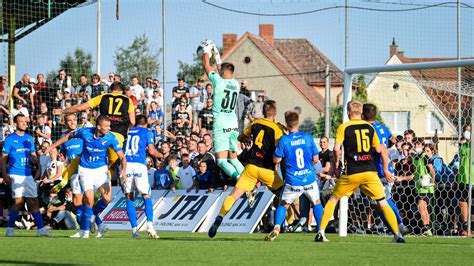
(426, 197)
(462, 193)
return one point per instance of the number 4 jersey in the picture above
(226, 94)
(359, 140)
(138, 140)
(297, 150)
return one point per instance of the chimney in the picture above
(393, 48)
(401, 54)
(265, 31)
(228, 40)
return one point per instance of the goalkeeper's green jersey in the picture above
(224, 100)
(464, 157)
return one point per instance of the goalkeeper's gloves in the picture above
(205, 47)
(217, 55)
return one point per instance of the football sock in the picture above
(391, 219)
(318, 214)
(12, 219)
(290, 216)
(38, 219)
(327, 214)
(228, 168)
(132, 213)
(87, 218)
(395, 211)
(149, 210)
(280, 215)
(98, 208)
(79, 214)
(237, 165)
(228, 203)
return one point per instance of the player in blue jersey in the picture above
(93, 170)
(299, 153)
(369, 113)
(139, 139)
(19, 151)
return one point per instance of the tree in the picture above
(360, 94)
(75, 64)
(137, 59)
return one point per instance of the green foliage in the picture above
(138, 59)
(335, 121)
(75, 64)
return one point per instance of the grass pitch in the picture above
(237, 249)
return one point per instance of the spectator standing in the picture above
(22, 91)
(156, 98)
(84, 122)
(42, 131)
(138, 92)
(155, 120)
(148, 90)
(151, 170)
(163, 179)
(208, 92)
(257, 108)
(20, 109)
(206, 117)
(196, 96)
(83, 91)
(156, 86)
(5, 128)
(128, 92)
(178, 92)
(463, 181)
(97, 88)
(39, 88)
(243, 105)
(57, 88)
(4, 91)
(192, 149)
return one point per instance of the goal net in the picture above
(428, 111)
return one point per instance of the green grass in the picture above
(236, 249)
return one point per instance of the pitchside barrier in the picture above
(181, 211)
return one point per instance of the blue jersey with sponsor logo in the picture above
(138, 140)
(94, 151)
(384, 136)
(297, 149)
(72, 147)
(19, 149)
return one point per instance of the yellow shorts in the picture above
(368, 182)
(252, 174)
(111, 154)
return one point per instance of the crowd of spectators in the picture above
(188, 162)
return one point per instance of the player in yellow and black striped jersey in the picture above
(119, 109)
(265, 134)
(360, 142)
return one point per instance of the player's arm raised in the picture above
(60, 141)
(77, 108)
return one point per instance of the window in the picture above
(397, 122)
(435, 122)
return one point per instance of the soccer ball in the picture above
(425, 181)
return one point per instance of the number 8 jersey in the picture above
(359, 140)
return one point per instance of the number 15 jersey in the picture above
(224, 100)
(359, 140)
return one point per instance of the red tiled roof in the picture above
(291, 68)
(446, 99)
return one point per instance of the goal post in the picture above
(438, 89)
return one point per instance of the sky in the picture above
(423, 33)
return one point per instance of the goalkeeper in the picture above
(225, 131)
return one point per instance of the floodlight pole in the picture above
(459, 69)
(98, 37)
(163, 84)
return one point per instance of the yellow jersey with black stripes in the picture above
(116, 107)
(359, 140)
(265, 135)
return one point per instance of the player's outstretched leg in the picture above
(149, 217)
(228, 203)
(280, 215)
(391, 220)
(327, 214)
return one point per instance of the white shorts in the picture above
(291, 193)
(137, 178)
(75, 184)
(92, 179)
(23, 186)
